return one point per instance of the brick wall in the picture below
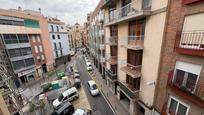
(177, 12)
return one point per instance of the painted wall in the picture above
(151, 55)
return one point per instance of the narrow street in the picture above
(98, 103)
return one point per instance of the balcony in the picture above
(111, 59)
(195, 96)
(132, 70)
(112, 41)
(111, 75)
(137, 9)
(189, 1)
(101, 46)
(191, 43)
(129, 90)
(135, 42)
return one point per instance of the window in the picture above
(52, 29)
(10, 38)
(134, 57)
(58, 36)
(23, 38)
(57, 28)
(56, 53)
(43, 57)
(26, 51)
(14, 52)
(18, 64)
(40, 48)
(53, 37)
(38, 38)
(133, 82)
(33, 37)
(72, 94)
(29, 62)
(186, 75)
(177, 107)
(55, 46)
(62, 27)
(36, 49)
(31, 23)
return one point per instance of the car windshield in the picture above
(60, 98)
(94, 87)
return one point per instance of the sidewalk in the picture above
(111, 98)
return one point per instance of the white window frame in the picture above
(40, 48)
(34, 40)
(178, 102)
(42, 57)
(36, 49)
(38, 38)
(198, 73)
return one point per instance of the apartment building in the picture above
(59, 40)
(25, 42)
(134, 31)
(181, 76)
(97, 38)
(76, 35)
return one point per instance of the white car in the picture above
(68, 95)
(82, 111)
(89, 66)
(93, 88)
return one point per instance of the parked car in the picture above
(77, 83)
(93, 88)
(76, 73)
(68, 95)
(89, 66)
(65, 109)
(82, 111)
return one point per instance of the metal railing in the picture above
(130, 9)
(130, 91)
(190, 87)
(111, 74)
(192, 40)
(136, 40)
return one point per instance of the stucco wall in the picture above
(151, 55)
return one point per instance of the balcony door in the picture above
(113, 50)
(134, 57)
(114, 31)
(136, 29)
(133, 82)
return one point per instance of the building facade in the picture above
(76, 35)
(23, 34)
(132, 49)
(181, 77)
(59, 40)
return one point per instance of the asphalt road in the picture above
(98, 103)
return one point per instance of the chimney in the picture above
(19, 8)
(39, 9)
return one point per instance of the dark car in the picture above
(65, 109)
(77, 83)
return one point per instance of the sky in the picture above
(69, 11)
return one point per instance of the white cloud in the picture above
(68, 11)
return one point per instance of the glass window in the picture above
(58, 36)
(23, 38)
(14, 52)
(52, 29)
(38, 38)
(10, 38)
(72, 94)
(31, 23)
(57, 28)
(33, 37)
(53, 37)
(173, 106)
(55, 46)
(29, 62)
(36, 49)
(25, 51)
(42, 57)
(18, 64)
(40, 48)
(177, 108)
